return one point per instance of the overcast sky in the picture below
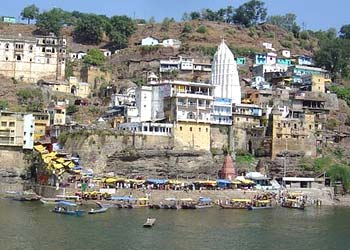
(312, 14)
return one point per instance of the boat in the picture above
(138, 203)
(25, 196)
(260, 204)
(237, 204)
(98, 211)
(293, 203)
(204, 202)
(187, 203)
(50, 201)
(69, 208)
(149, 222)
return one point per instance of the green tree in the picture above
(89, 29)
(71, 109)
(30, 12)
(51, 21)
(250, 13)
(195, 15)
(341, 173)
(345, 31)
(32, 99)
(3, 104)
(120, 29)
(94, 57)
(202, 29)
(287, 21)
(334, 56)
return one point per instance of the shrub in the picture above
(202, 29)
(187, 28)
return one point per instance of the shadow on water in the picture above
(31, 226)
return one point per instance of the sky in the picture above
(312, 14)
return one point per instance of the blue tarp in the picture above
(67, 203)
(204, 199)
(122, 198)
(157, 181)
(223, 181)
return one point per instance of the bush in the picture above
(202, 29)
(287, 44)
(187, 28)
(3, 104)
(304, 35)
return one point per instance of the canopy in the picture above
(186, 199)
(223, 181)
(143, 199)
(157, 181)
(67, 203)
(122, 198)
(204, 199)
(241, 200)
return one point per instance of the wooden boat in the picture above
(23, 196)
(50, 201)
(149, 222)
(187, 203)
(293, 203)
(204, 203)
(237, 204)
(260, 204)
(65, 207)
(98, 211)
(138, 203)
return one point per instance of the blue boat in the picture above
(69, 208)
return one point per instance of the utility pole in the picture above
(284, 163)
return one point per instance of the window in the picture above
(190, 129)
(180, 128)
(12, 124)
(310, 126)
(6, 58)
(206, 130)
(30, 48)
(200, 129)
(47, 60)
(295, 126)
(18, 58)
(3, 124)
(7, 46)
(43, 49)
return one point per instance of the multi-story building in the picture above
(299, 71)
(222, 112)
(30, 59)
(183, 64)
(41, 123)
(293, 133)
(57, 113)
(189, 105)
(245, 118)
(16, 129)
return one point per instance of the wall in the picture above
(219, 136)
(12, 163)
(191, 135)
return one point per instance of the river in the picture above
(31, 226)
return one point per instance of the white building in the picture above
(28, 129)
(225, 75)
(171, 43)
(77, 55)
(148, 128)
(222, 111)
(260, 70)
(30, 59)
(149, 41)
(285, 53)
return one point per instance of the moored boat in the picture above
(260, 204)
(50, 201)
(204, 202)
(68, 208)
(98, 211)
(293, 203)
(237, 204)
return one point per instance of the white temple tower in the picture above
(224, 75)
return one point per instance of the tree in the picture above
(250, 13)
(89, 29)
(334, 56)
(30, 12)
(120, 29)
(344, 32)
(195, 15)
(94, 57)
(340, 173)
(51, 21)
(287, 21)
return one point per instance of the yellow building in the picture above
(192, 135)
(318, 83)
(57, 113)
(16, 129)
(293, 134)
(42, 121)
(80, 89)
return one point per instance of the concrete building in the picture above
(285, 53)
(263, 69)
(171, 43)
(299, 71)
(225, 75)
(183, 64)
(222, 112)
(148, 128)
(57, 113)
(293, 133)
(77, 55)
(149, 41)
(41, 123)
(16, 130)
(8, 19)
(30, 59)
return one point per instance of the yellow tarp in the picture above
(110, 180)
(236, 182)
(57, 166)
(241, 200)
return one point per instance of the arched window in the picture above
(7, 46)
(191, 115)
(30, 48)
(18, 58)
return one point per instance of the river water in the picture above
(30, 226)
